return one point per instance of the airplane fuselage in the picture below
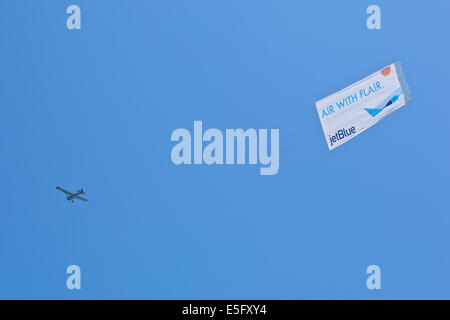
(71, 197)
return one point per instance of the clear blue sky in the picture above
(95, 108)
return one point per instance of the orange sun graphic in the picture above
(386, 71)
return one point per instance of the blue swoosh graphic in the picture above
(386, 103)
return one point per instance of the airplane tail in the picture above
(81, 191)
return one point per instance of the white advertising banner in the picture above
(347, 113)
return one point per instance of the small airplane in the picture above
(71, 196)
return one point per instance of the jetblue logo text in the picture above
(341, 134)
(236, 141)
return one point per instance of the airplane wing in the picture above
(65, 191)
(81, 198)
